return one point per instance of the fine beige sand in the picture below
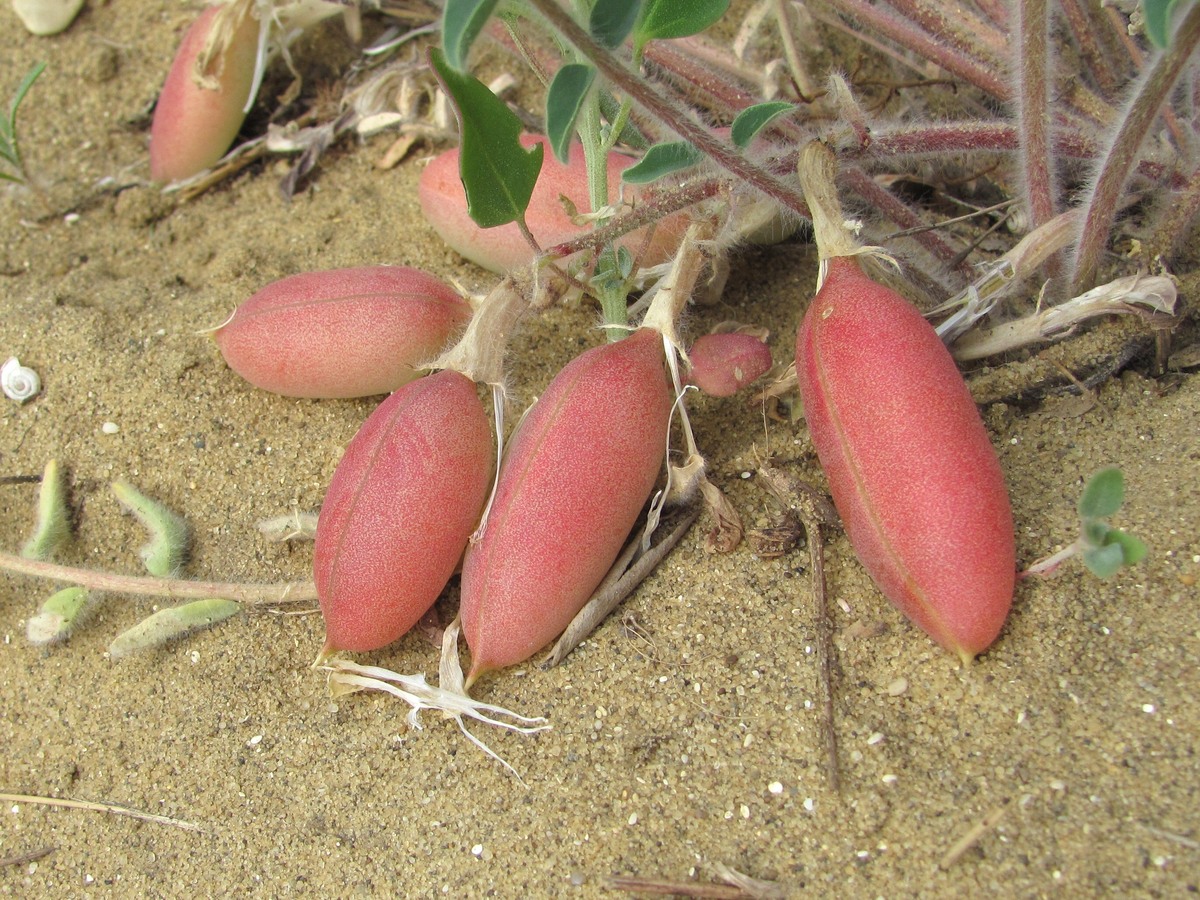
(686, 733)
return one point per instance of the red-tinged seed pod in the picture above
(343, 332)
(193, 126)
(723, 364)
(398, 513)
(503, 249)
(577, 473)
(910, 466)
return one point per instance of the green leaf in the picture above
(667, 19)
(1103, 494)
(9, 150)
(497, 173)
(53, 527)
(660, 160)
(462, 20)
(1133, 549)
(1096, 532)
(170, 623)
(167, 548)
(612, 20)
(57, 617)
(564, 99)
(753, 119)
(1104, 562)
(1157, 15)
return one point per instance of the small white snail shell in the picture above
(19, 382)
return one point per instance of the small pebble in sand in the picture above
(110, 427)
(44, 17)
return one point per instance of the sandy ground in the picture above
(686, 737)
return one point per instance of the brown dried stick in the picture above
(814, 510)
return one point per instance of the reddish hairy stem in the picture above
(651, 209)
(908, 35)
(1033, 110)
(1087, 29)
(669, 112)
(957, 24)
(996, 11)
(1142, 108)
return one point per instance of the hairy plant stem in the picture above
(1141, 110)
(957, 24)
(651, 209)
(1089, 29)
(1033, 110)
(667, 110)
(908, 35)
(172, 588)
(889, 205)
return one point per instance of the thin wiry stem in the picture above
(1141, 110)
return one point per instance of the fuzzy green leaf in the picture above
(753, 119)
(462, 20)
(167, 548)
(53, 526)
(660, 160)
(667, 19)
(1157, 15)
(497, 173)
(1133, 549)
(1104, 562)
(1103, 494)
(168, 624)
(54, 621)
(564, 99)
(611, 21)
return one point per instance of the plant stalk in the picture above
(1141, 111)
(172, 588)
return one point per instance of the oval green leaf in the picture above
(667, 19)
(497, 173)
(660, 160)
(611, 21)
(1157, 15)
(462, 20)
(753, 119)
(564, 99)
(1103, 494)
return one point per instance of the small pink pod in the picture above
(575, 477)
(912, 472)
(193, 126)
(400, 508)
(723, 364)
(342, 332)
(502, 249)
